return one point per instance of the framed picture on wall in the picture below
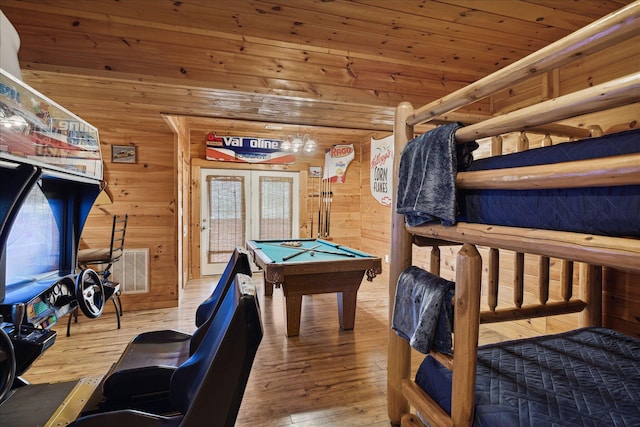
(315, 172)
(123, 153)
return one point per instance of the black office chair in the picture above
(208, 388)
(150, 359)
(101, 260)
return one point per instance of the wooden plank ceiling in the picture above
(340, 63)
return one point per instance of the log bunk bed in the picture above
(456, 403)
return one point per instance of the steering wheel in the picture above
(90, 293)
(7, 365)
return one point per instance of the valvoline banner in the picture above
(246, 150)
(336, 161)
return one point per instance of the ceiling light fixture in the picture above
(299, 143)
(296, 143)
(286, 144)
(309, 144)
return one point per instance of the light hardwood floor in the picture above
(323, 377)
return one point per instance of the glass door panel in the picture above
(276, 207)
(223, 215)
(244, 205)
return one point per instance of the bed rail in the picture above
(547, 128)
(617, 252)
(614, 93)
(607, 172)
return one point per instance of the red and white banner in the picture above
(381, 170)
(336, 161)
(247, 150)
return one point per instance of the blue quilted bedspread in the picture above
(586, 377)
(597, 210)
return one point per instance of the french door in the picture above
(240, 205)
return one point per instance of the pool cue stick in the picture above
(329, 209)
(288, 257)
(312, 205)
(324, 205)
(319, 205)
(323, 183)
(322, 251)
(280, 245)
(326, 208)
(321, 231)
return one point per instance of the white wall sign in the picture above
(381, 169)
(336, 161)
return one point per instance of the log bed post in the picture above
(566, 279)
(399, 361)
(590, 279)
(465, 334)
(518, 279)
(434, 260)
(544, 264)
(493, 279)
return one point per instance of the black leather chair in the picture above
(208, 388)
(150, 359)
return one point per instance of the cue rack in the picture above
(325, 199)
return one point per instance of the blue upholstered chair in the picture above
(150, 359)
(207, 389)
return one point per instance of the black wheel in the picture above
(90, 293)
(7, 365)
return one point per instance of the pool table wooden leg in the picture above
(292, 310)
(268, 288)
(347, 309)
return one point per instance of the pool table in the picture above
(313, 266)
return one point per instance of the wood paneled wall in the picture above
(146, 191)
(621, 301)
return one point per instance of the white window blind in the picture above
(276, 207)
(226, 216)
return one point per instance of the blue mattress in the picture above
(586, 377)
(596, 210)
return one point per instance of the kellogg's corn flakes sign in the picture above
(381, 170)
